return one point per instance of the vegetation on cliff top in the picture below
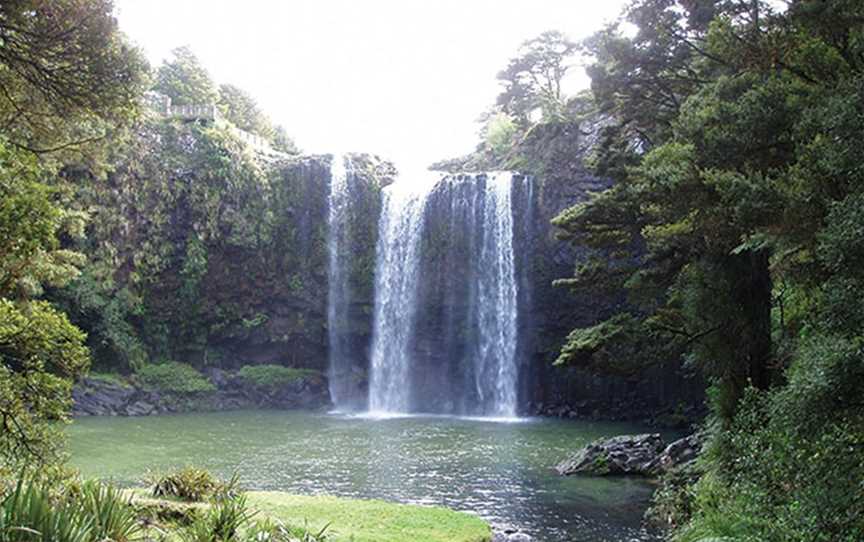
(734, 144)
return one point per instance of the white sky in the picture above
(404, 79)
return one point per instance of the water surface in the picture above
(501, 471)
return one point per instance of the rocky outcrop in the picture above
(679, 453)
(117, 397)
(626, 454)
(644, 454)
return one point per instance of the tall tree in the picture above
(62, 60)
(67, 79)
(185, 80)
(240, 108)
(533, 79)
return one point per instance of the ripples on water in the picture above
(498, 469)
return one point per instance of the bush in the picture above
(94, 513)
(112, 515)
(276, 531)
(171, 376)
(31, 513)
(274, 376)
(222, 522)
(109, 378)
(194, 484)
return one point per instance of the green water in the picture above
(500, 471)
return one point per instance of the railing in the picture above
(206, 112)
(161, 104)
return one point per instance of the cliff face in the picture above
(201, 252)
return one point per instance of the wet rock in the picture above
(140, 408)
(97, 397)
(510, 534)
(94, 397)
(626, 454)
(678, 453)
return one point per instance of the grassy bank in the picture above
(371, 521)
(341, 519)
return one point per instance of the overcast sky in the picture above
(405, 79)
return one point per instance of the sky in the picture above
(403, 79)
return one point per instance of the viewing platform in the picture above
(205, 113)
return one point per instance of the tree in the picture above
(283, 142)
(185, 80)
(242, 110)
(62, 60)
(533, 79)
(734, 224)
(67, 80)
(694, 154)
(40, 351)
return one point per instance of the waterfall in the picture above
(447, 299)
(338, 293)
(397, 273)
(496, 303)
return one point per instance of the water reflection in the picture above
(501, 471)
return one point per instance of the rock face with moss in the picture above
(205, 252)
(178, 387)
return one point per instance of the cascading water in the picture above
(446, 299)
(397, 273)
(496, 302)
(338, 294)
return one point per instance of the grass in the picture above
(370, 521)
(171, 376)
(274, 376)
(109, 378)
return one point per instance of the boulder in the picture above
(626, 454)
(94, 397)
(678, 453)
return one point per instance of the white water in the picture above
(338, 294)
(496, 304)
(396, 278)
(493, 298)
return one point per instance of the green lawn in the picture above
(371, 521)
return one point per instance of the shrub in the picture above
(109, 378)
(276, 531)
(222, 522)
(93, 512)
(112, 515)
(274, 376)
(171, 376)
(194, 484)
(31, 513)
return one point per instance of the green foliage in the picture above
(185, 80)
(110, 511)
(68, 75)
(31, 513)
(194, 484)
(41, 354)
(241, 109)
(359, 520)
(533, 78)
(274, 376)
(607, 345)
(30, 222)
(735, 225)
(174, 377)
(222, 522)
(500, 130)
(34, 512)
(275, 531)
(109, 378)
